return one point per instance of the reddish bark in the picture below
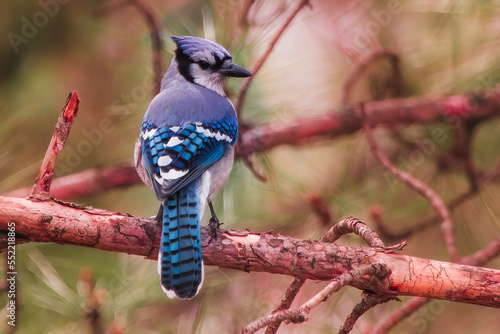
(62, 223)
(65, 121)
(89, 182)
(388, 112)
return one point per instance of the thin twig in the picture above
(369, 301)
(290, 294)
(402, 312)
(41, 188)
(483, 255)
(258, 64)
(293, 290)
(434, 199)
(154, 26)
(249, 161)
(255, 69)
(299, 315)
(356, 226)
(157, 45)
(321, 209)
(485, 179)
(363, 65)
(353, 225)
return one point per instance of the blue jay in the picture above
(185, 153)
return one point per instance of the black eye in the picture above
(203, 64)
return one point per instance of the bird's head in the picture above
(205, 63)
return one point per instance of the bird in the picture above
(185, 153)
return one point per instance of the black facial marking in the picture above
(183, 62)
(220, 61)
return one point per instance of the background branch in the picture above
(420, 187)
(335, 123)
(258, 64)
(154, 26)
(363, 64)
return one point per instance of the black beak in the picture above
(234, 70)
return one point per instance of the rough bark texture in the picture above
(52, 221)
(63, 126)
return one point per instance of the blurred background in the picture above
(51, 47)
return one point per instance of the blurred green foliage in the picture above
(445, 47)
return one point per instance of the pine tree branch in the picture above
(374, 271)
(40, 190)
(257, 66)
(417, 185)
(69, 224)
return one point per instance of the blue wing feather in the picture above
(176, 156)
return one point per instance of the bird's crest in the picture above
(200, 50)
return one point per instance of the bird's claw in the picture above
(214, 225)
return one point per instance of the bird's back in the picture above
(181, 102)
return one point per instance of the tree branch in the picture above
(420, 187)
(369, 300)
(345, 226)
(363, 64)
(290, 294)
(388, 112)
(154, 25)
(89, 182)
(333, 124)
(300, 314)
(488, 177)
(256, 68)
(478, 258)
(156, 42)
(402, 312)
(65, 223)
(40, 190)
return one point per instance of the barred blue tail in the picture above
(180, 259)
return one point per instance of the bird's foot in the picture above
(213, 225)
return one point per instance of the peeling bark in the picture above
(65, 223)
